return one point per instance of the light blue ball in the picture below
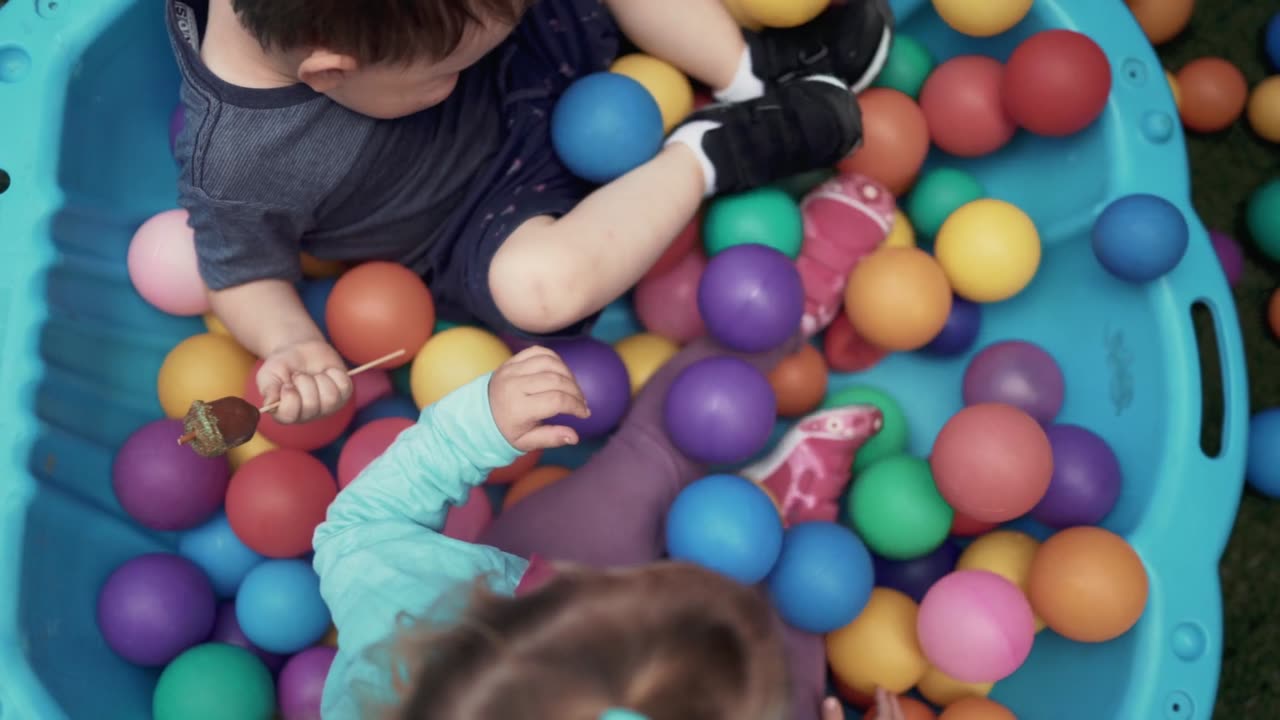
(823, 578)
(1141, 237)
(1272, 42)
(728, 524)
(1262, 468)
(606, 125)
(216, 549)
(279, 607)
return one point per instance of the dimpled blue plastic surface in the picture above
(86, 90)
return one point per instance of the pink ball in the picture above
(975, 626)
(366, 444)
(465, 522)
(371, 386)
(964, 108)
(162, 265)
(667, 304)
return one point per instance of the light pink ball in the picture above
(162, 265)
(667, 304)
(371, 386)
(975, 626)
(465, 522)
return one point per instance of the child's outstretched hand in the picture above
(531, 387)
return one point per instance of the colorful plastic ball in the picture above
(897, 510)
(669, 86)
(1263, 109)
(990, 250)
(901, 234)
(728, 524)
(310, 435)
(301, 683)
(276, 501)
(215, 325)
(1056, 83)
(1161, 20)
(604, 382)
(314, 267)
(279, 606)
(453, 358)
(992, 462)
(961, 101)
(912, 709)
(163, 268)
(667, 304)
(1263, 217)
(909, 63)
(846, 351)
(224, 558)
(1262, 464)
(522, 466)
(976, 626)
(960, 331)
(214, 682)
(1230, 256)
(764, 216)
(314, 294)
(800, 381)
(177, 122)
(983, 19)
(1214, 94)
(468, 521)
(939, 193)
(1174, 89)
(964, 526)
(153, 607)
(1017, 373)
(1088, 584)
(880, 648)
(164, 485)
(720, 410)
(898, 298)
(366, 444)
(605, 125)
(739, 13)
(783, 13)
(1086, 479)
(797, 186)
(1139, 238)
(226, 629)
(1272, 41)
(533, 481)
(1007, 553)
(915, 576)
(397, 406)
(823, 578)
(895, 139)
(943, 690)
(751, 298)
(377, 308)
(257, 445)
(679, 249)
(643, 355)
(972, 708)
(370, 386)
(892, 438)
(201, 367)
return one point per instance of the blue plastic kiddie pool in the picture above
(86, 91)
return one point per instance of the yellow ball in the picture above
(989, 249)
(215, 326)
(668, 86)
(941, 689)
(1007, 553)
(643, 354)
(1174, 88)
(783, 13)
(982, 18)
(901, 234)
(1264, 109)
(453, 358)
(735, 8)
(242, 454)
(202, 367)
(879, 648)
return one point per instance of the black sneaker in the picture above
(850, 41)
(795, 127)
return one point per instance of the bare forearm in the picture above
(698, 36)
(265, 315)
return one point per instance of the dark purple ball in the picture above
(154, 607)
(720, 410)
(301, 683)
(1229, 255)
(164, 485)
(961, 330)
(1086, 479)
(226, 629)
(1016, 373)
(605, 384)
(177, 121)
(914, 577)
(751, 298)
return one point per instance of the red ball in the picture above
(377, 308)
(992, 462)
(299, 436)
(964, 526)
(1056, 83)
(667, 304)
(685, 242)
(466, 522)
(962, 105)
(846, 351)
(277, 499)
(367, 443)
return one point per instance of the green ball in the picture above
(215, 682)
(897, 509)
(797, 186)
(937, 194)
(1264, 219)
(892, 438)
(909, 63)
(400, 379)
(765, 216)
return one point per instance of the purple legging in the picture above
(637, 475)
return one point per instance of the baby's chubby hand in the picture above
(308, 378)
(531, 387)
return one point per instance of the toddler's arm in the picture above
(265, 315)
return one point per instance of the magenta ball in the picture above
(163, 267)
(1230, 256)
(751, 298)
(1016, 373)
(301, 683)
(720, 410)
(371, 386)
(154, 607)
(467, 521)
(975, 626)
(1086, 479)
(226, 629)
(164, 485)
(604, 382)
(667, 304)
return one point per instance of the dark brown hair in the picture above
(670, 641)
(372, 31)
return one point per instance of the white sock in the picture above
(745, 85)
(690, 135)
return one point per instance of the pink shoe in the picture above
(845, 219)
(813, 463)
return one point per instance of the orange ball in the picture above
(912, 709)
(800, 381)
(537, 479)
(1161, 20)
(992, 462)
(895, 139)
(377, 308)
(314, 267)
(973, 708)
(1214, 93)
(1088, 584)
(898, 298)
(1273, 313)
(516, 470)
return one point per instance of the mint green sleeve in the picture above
(380, 555)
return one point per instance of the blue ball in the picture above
(961, 330)
(1139, 238)
(1272, 41)
(279, 607)
(315, 296)
(216, 549)
(728, 524)
(606, 125)
(1262, 468)
(823, 578)
(391, 406)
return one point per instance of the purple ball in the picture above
(226, 629)
(605, 384)
(301, 683)
(914, 577)
(164, 485)
(154, 607)
(751, 298)
(961, 330)
(1229, 255)
(177, 121)
(1016, 373)
(720, 410)
(1086, 479)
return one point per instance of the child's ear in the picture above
(324, 70)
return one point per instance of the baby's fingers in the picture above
(831, 709)
(555, 402)
(550, 382)
(546, 437)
